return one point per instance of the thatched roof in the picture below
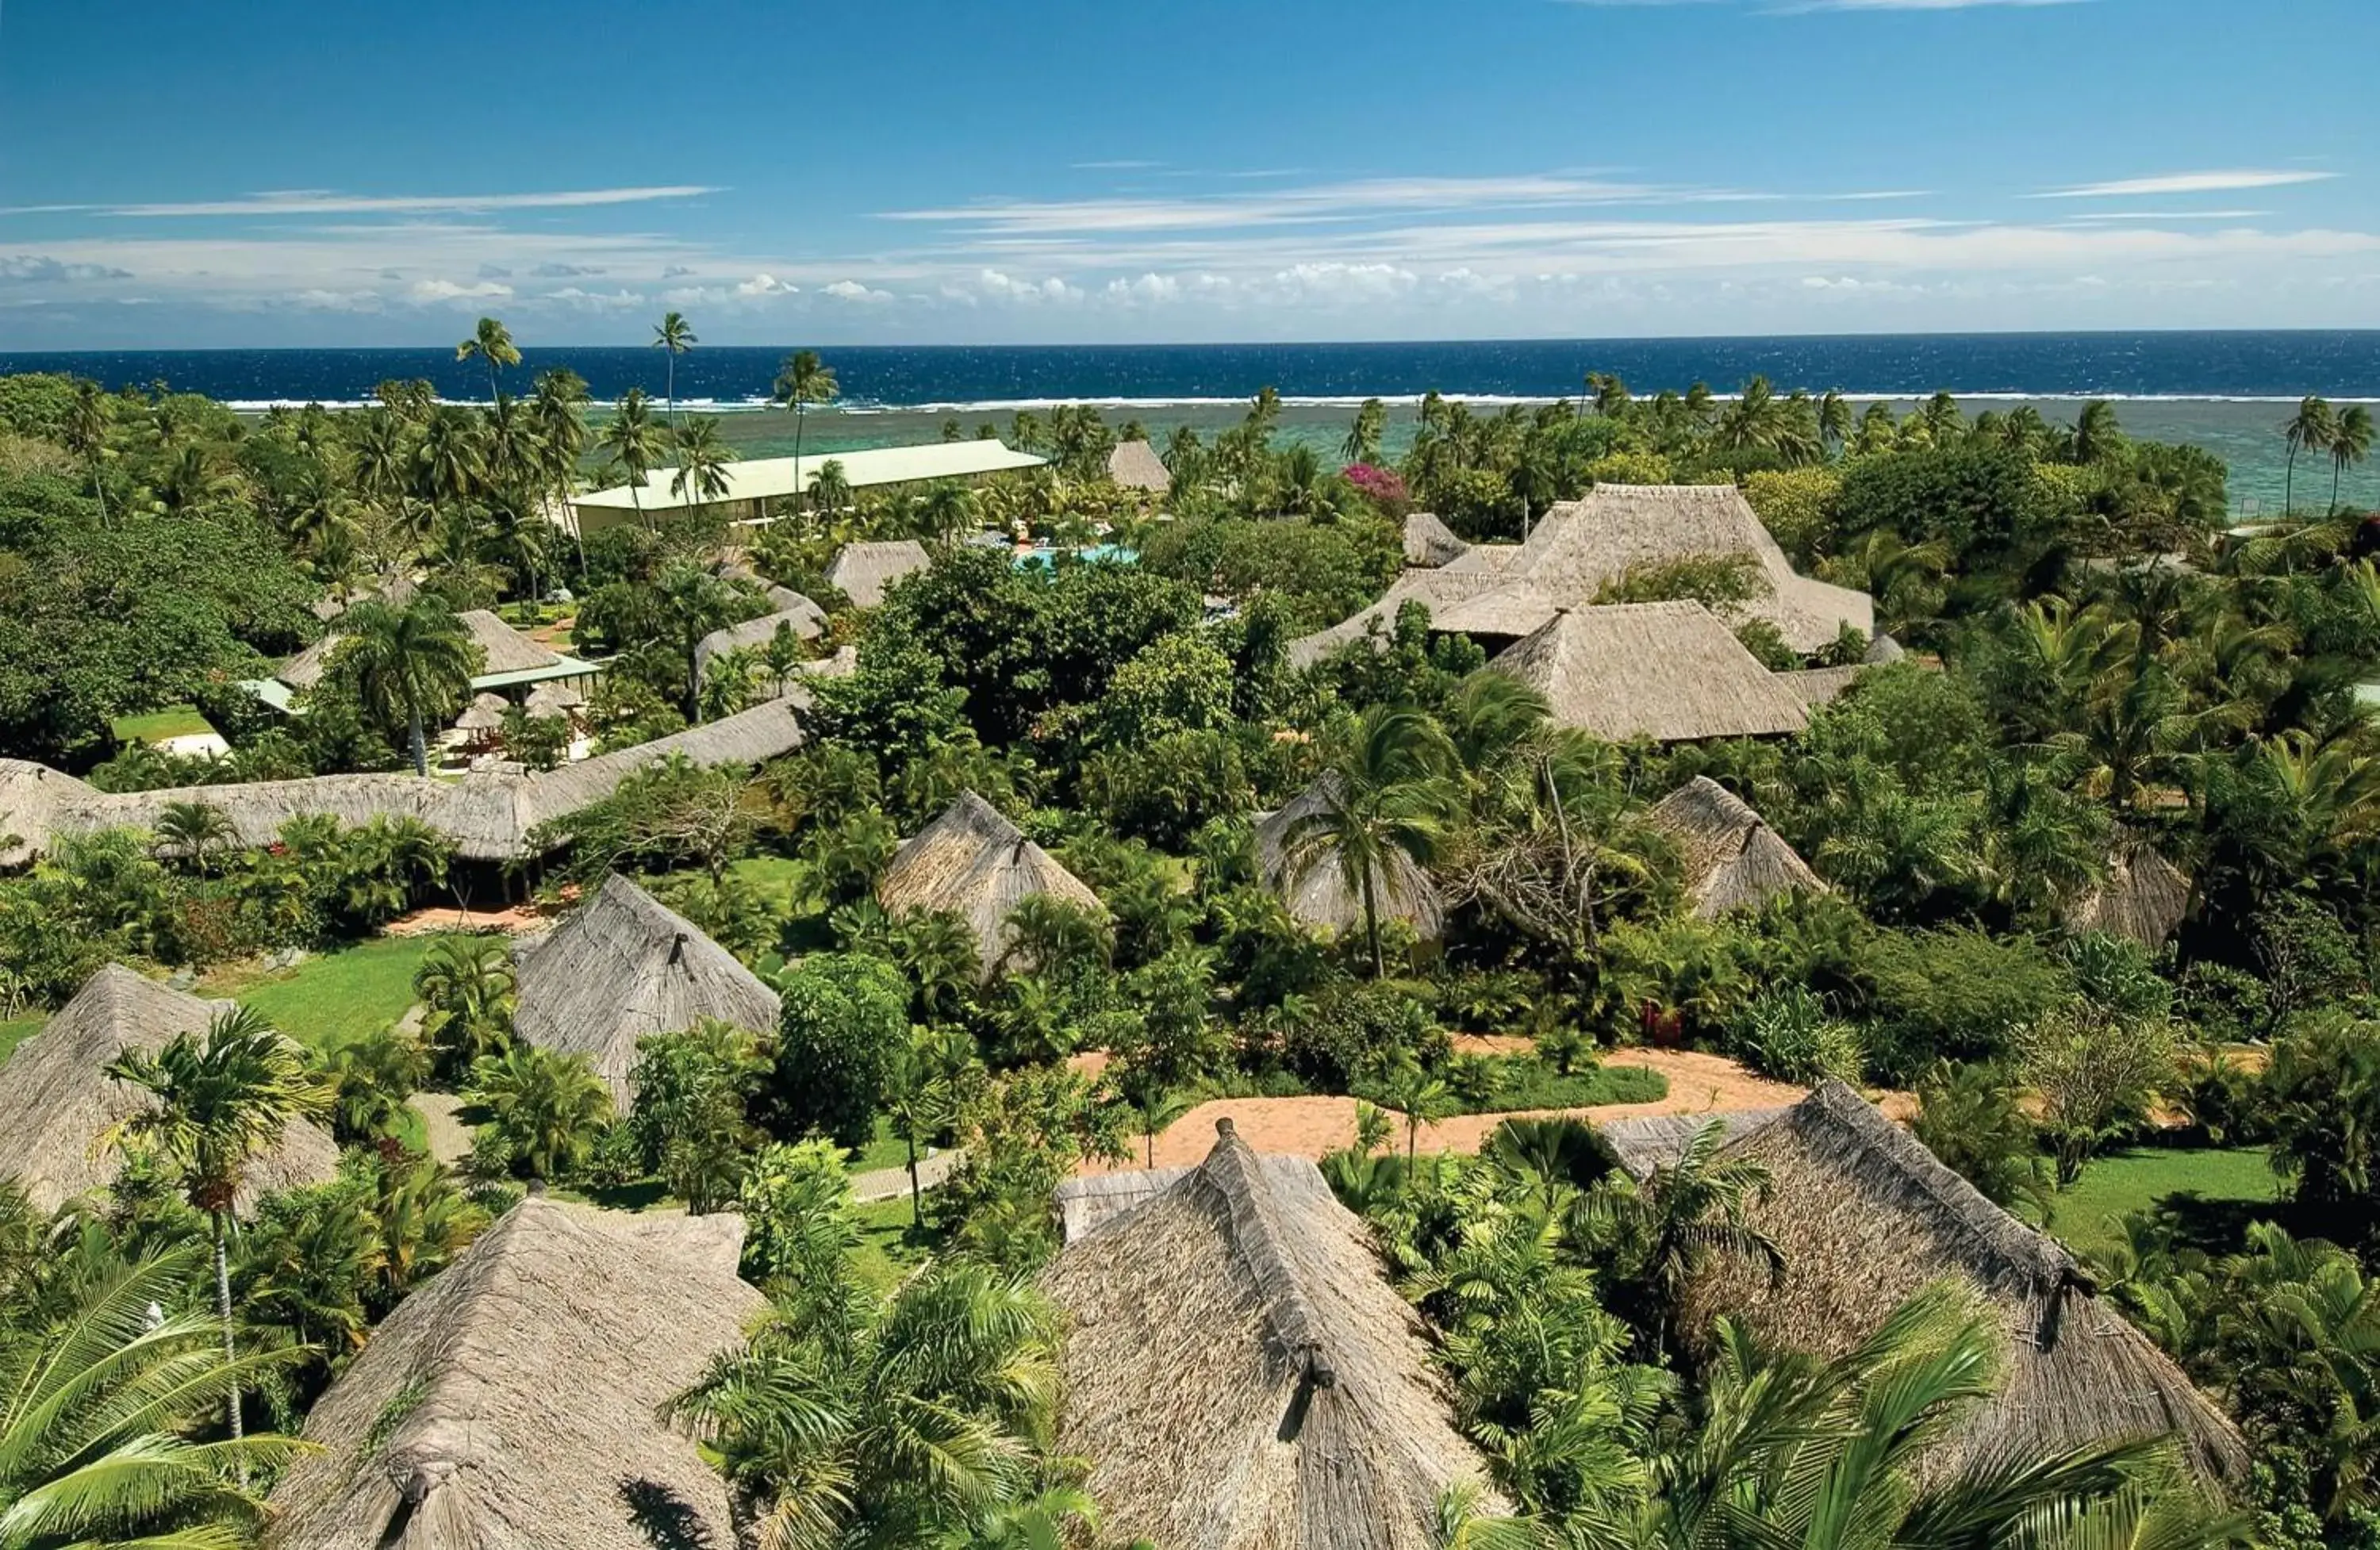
(488, 816)
(1643, 1142)
(623, 966)
(1136, 466)
(843, 664)
(1319, 894)
(57, 1100)
(485, 713)
(1669, 672)
(1820, 685)
(1883, 648)
(504, 648)
(807, 621)
(555, 698)
(396, 591)
(1241, 1374)
(1430, 542)
(1866, 1216)
(975, 863)
(510, 1404)
(2143, 898)
(1734, 859)
(863, 572)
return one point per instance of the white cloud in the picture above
(318, 301)
(432, 291)
(2216, 182)
(852, 291)
(580, 300)
(323, 201)
(34, 268)
(765, 285)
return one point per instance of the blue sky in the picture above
(256, 172)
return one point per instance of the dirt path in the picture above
(445, 917)
(450, 1138)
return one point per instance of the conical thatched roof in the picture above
(510, 1403)
(1136, 466)
(863, 572)
(623, 966)
(1669, 672)
(1318, 895)
(1430, 542)
(557, 696)
(2143, 898)
(1242, 1377)
(1821, 685)
(1734, 859)
(975, 863)
(1866, 1216)
(57, 1100)
(485, 713)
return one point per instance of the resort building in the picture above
(1669, 671)
(622, 967)
(512, 1400)
(1238, 1370)
(754, 486)
(791, 609)
(1317, 888)
(58, 1100)
(1136, 466)
(864, 572)
(512, 664)
(973, 863)
(1733, 860)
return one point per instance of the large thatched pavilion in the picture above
(1237, 1368)
(623, 966)
(1136, 466)
(973, 863)
(510, 1403)
(1318, 892)
(1866, 1215)
(1733, 860)
(864, 572)
(1669, 672)
(56, 1099)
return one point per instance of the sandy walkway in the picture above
(1699, 1084)
(449, 1138)
(442, 917)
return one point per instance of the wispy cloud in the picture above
(2222, 181)
(323, 201)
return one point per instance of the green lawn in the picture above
(174, 720)
(2217, 1192)
(333, 998)
(17, 1030)
(1525, 1083)
(889, 1248)
(777, 877)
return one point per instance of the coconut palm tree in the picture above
(1363, 443)
(546, 1107)
(86, 433)
(2310, 428)
(1412, 1091)
(629, 437)
(492, 343)
(410, 664)
(948, 511)
(96, 1408)
(466, 988)
(194, 831)
(692, 602)
(702, 460)
(802, 381)
(217, 1102)
(675, 334)
(829, 490)
(1390, 795)
(1684, 1213)
(2350, 443)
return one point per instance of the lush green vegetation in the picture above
(331, 998)
(2211, 1193)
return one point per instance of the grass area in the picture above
(1523, 1082)
(777, 878)
(17, 1030)
(885, 1150)
(174, 720)
(333, 998)
(2215, 1192)
(889, 1246)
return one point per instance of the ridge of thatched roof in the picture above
(1883, 648)
(555, 697)
(1318, 894)
(511, 1402)
(56, 1099)
(1865, 1216)
(864, 572)
(2143, 897)
(1438, 590)
(488, 816)
(1239, 1371)
(1136, 466)
(623, 966)
(1669, 672)
(806, 618)
(1430, 542)
(975, 863)
(1645, 1142)
(1733, 860)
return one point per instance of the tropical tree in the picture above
(2312, 429)
(467, 990)
(692, 602)
(629, 437)
(216, 1103)
(702, 459)
(675, 334)
(1417, 1094)
(830, 488)
(97, 1405)
(1684, 1213)
(1363, 443)
(2350, 443)
(86, 436)
(410, 664)
(492, 343)
(1390, 795)
(545, 1108)
(195, 831)
(802, 381)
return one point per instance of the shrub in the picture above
(1354, 1028)
(1788, 1034)
(1957, 993)
(845, 1020)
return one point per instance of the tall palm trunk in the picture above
(416, 741)
(799, 489)
(1372, 922)
(917, 1191)
(222, 1312)
(2289, 481)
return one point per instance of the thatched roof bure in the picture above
(1240, 1373)
(973, 863)
(622, 967)
(1866, 1216)
(1318, 893)
(56, 1099)
(1430, 542)
(864, 572)
(1733, 860)
(1136, 466)
(510, 1403)
(1669, 672)
(2143, 898)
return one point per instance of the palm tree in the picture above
(830, 491)
(948, 511)
(1363, 443)
(548, 1108)
(410, 664)
(803, 380)
(1834, 419)
(218, 1103)
(194, 831)
(629, 437)
(466, 988)
(675, 334)
(1408, 1088)
(2312, 429)
(692, 602)
(492, 343)
(2350, 443)
(1684, 1213)
(702, 460)
(96, 1405)
(557, 413)
(2098, 437)
(1390, 794)
(86, 432)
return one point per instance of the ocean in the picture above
(2221, 389)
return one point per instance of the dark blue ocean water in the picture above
(2211, 366)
